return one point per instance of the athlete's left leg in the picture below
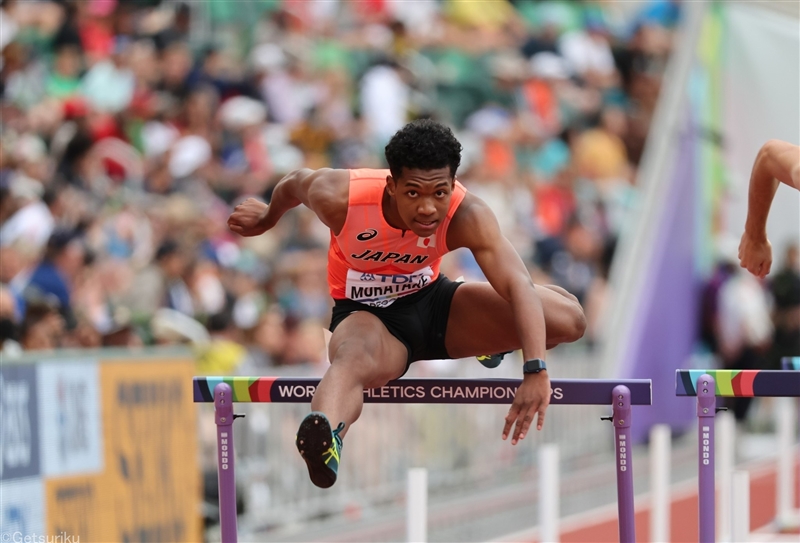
(481, 321)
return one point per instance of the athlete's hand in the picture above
(533, 396)
(755, 254)
(249, 218)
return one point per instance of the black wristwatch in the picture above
(533, 366)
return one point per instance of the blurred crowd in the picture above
(130, 128)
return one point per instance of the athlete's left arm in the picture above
(475, 227)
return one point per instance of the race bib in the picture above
(382, 290)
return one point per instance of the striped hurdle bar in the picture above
(620, 394)
(707, 385)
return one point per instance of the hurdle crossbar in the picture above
(741, 383)
(707, 385)
(429, 391)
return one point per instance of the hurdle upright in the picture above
(787, 425)
(707, 385)
(620, 394)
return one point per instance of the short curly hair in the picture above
(423, 144)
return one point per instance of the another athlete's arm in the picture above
(475, 227)
(323, 191)
(777, 162)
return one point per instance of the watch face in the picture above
(534, 366)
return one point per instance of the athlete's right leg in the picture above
(551, 306)
(363, 355)
(481, 321)
(562, 291)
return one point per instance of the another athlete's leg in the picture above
(481, 321)
(363, 355)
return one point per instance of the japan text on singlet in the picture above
(374, 264)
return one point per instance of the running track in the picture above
(601, 525)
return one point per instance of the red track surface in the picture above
(683, 527)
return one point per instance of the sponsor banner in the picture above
(21, 509)
(152, 475)
(70, 418)
(461, 391)
(19, 421)
(79, 506)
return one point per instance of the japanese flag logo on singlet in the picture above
(428, 242)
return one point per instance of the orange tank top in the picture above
(371, 262)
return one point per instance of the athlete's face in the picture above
(422, 197)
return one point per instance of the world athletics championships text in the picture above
(467, 392)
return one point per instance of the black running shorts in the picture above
(418, 320)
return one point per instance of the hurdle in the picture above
(707, 385)
(620, 394)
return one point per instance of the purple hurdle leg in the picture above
(622, 424)
(706, 410)
(223, 415)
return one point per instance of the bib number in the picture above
(383, 290)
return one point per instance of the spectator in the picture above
(43, 328)
(56, 274)
(384, 101)
(600, 153)
(588, 53)
(25, 218)
(744, 327)
(64, 81)
(176, 64)
(724, 269)
(9, 325)
(785, 289)
(541, 94)
(162, 284)
(109, 84)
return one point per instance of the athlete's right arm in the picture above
(777, 162)
(324, 191)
